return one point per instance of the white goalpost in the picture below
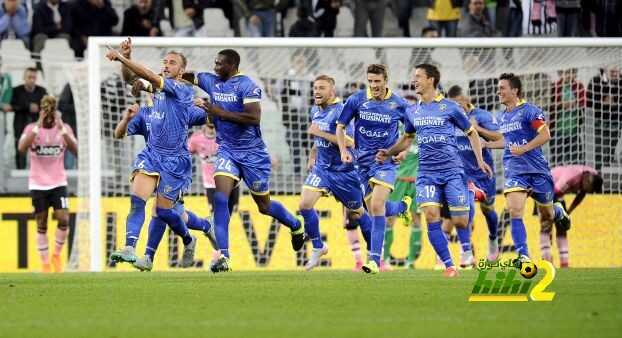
(586, 128)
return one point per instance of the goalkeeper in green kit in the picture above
(405, 186)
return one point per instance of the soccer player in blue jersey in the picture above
(242, 155)
(377, 112)
(487, 128)
(329, 175)
(164, 165)
(136, 120)
(526, 170)
(441, 178)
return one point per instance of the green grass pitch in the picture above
(588, 303)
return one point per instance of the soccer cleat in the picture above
(564, 222)
(128, 254)
(371, 267)
(450, 272)
(222, 265)
(406, 216)
(46, 268)
(518, 262)
(316, 255)
(358, 266)
(493, 250)
(298, 235)
(187, 259)
(57, 266)
(211, 236)
(143, 264)
(467, 262)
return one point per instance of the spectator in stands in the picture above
(568, 12)
(608, 14)
(90, 18)
(566, 117)
(475, 24)
(68, 111)
(604, 97)
(514, 22)
(227, 7)
(6, 92)
(141, 20)
(296, 98)
(444, 15)
(304, 26)
(185, 16)
(260, 16)
(429, 32)
(372, 10)
(14, 21)
(403, 10)
(51, 20)
(325, 13)
(25, 103)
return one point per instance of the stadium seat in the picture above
(345, 23)
(14, 55)
(216, 24)
(54, 54)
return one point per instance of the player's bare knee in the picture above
(432, 214)
(42, 223)
(515, 211)
(460, 221)
(377, 208)
(264, 207)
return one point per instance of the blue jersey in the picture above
(486, 121)
(519, 126)
(170, 117)
(435, 124)
(376, 122)
(328, 155)
(231, 95)
(141, 122)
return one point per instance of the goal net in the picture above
(576, 81)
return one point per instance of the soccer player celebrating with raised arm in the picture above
(46, 142)
(329, 174)
(487, 127)
(526, 169)
(242, 155)
(377, 113)
(440, 178)
(165, 163)
(136, 121)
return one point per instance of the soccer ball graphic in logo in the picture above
(528, 270)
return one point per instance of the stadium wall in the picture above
(258, 243)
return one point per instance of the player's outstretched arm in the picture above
(497, 144)
(544, 135)
(251, 114)
(137, 68)
(576, 201)
(487, 134)
(121, 129)
(402, 144)
(473, 136)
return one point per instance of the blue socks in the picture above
(312, 227)
(519, 236)
(197, 223)
(174, 220)
(464, 236)
(492, 221)
(135, 220)
(366, 223)
(278, 211)
(377, 237)
(439, 242)
(156, 231)
(394, 208)
(221, 221)
(559, 213)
